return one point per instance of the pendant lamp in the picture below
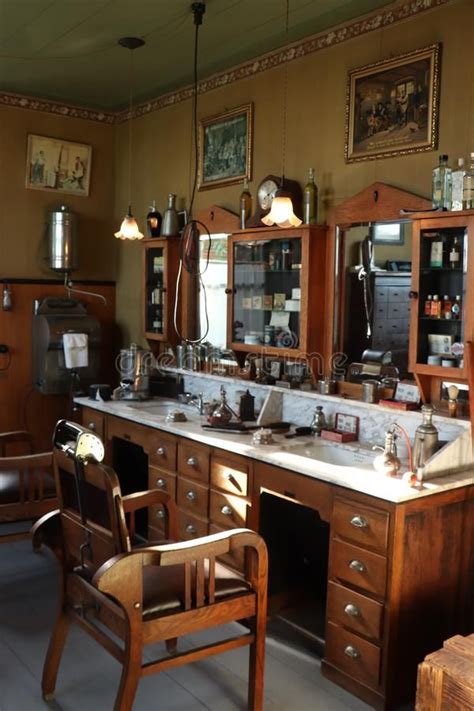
(281, 213)
(129, 228)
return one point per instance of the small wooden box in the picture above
(446, 677)
(400, 405)
(336, 436)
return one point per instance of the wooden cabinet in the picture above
(160, 269)
(277, 290)
(442, 266)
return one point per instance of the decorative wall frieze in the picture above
(385, 17)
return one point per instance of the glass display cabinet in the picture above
(442, 318)
(276, 290)
(161, 259)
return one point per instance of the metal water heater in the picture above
(62, 240)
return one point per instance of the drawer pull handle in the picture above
(92, 426)
(161, 451)
(352, 610)
(160, 513)
(357, 565)
(351, 651)
(359, 522)
(161, 483)
(192, 462)
(226, 510)
(191, 529)
(191, 496)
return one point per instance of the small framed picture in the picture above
(268, 302)
(257, 302)
(388, 233)
(58, 166)
(347, 423)
(279, 302)
(247, 302)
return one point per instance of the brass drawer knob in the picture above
(191, 496)
(192, 462)
(226, 510)
(357, 565)
(352, 610)
(359, 522)
(161, 451)
(160, 513)
(92, 426)
(351, 651)
(191, 529)
(161, 483)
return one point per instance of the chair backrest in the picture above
(90, 504)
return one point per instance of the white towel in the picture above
(75, 350)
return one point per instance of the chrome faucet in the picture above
(196, 401)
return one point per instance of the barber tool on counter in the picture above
(426, 438)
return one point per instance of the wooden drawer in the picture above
(129, 431)
(236, 559)
(361, 568)
(227, 510)
(163, 480)
(191, 527)
(360, 524)
(193, 496)
(354, 611)
(397, 294)
(94, 420)
(193, 460)
(156, 518)
(398, 309)
(353, 655)
(162, 450)
(230, 475)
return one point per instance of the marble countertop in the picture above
(290, 454)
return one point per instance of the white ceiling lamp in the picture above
(129, 228)
(281, 212)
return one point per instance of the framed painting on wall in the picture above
(225, 148)
(392, 106)
(58, 166)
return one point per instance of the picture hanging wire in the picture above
(190, 243)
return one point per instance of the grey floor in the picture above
(89, 676)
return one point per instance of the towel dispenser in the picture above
(53, 318)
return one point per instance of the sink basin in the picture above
(331, 454)
(151, 404)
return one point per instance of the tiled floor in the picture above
(89, 676)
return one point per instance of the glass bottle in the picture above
(285, 255)
(447, 305)
(436, 307)
(436, 252)
(245, 204)
(457, 189)
(455, 254)
(456, 308)
(310, 200)
(426, 438)
(170, 226)
(153, 221)
(442, 184)
(468, 186)
(427, 308)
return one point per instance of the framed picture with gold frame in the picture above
(225, 148)
(58, 166)
(392, 106)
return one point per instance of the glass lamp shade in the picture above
(129, 228)
(281, 213)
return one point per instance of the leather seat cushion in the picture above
(163, 588)
(10, 486)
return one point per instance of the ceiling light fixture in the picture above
(281, 212)
(129, 228)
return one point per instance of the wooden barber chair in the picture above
(27, 488)
(146, 594)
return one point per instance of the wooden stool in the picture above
(446, 677)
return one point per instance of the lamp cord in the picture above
(130, 117)
(285, 93)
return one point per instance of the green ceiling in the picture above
(67, 50)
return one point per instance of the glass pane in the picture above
(154, 295)
(267, 292)
(443, 264)
(213, 299)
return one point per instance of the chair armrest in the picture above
(7, 438)
(47, 531)
(43, 459)
(152, 497)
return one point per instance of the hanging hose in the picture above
(68, 285)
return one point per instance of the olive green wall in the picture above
(315, 131)
(24, 212)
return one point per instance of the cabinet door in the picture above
(160, 266)
(442, 313)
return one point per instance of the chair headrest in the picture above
(78, 442)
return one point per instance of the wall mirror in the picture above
(370, 263)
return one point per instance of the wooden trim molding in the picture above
(376, 20)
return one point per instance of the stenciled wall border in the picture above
(343, 33)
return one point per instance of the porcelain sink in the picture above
(333, 454)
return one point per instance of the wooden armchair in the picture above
(147, 594)
(27, 488)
